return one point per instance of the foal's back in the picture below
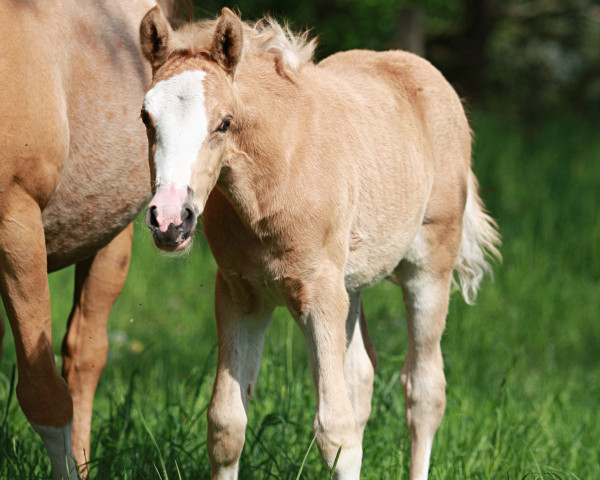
(411, 155)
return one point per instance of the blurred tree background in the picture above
(525, 55)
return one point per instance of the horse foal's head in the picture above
(189, 115)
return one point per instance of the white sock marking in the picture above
(424, 473)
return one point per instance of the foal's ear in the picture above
(228, 41)
(155, 35)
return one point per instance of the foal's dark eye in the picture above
(224, 125)
(145, 116)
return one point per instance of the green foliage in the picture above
(523, 365)
(339, 24)
(545, 53)
(525, 55)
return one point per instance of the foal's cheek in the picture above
(205, 173)
(216, 143)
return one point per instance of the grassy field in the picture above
(522, 366)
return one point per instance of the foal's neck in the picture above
(259, 171)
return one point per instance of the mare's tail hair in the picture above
(480, 239)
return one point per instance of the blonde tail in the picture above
(480, 239)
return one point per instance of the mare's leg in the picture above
(425, 280)
(240, 330)
(360, 362)
(98, 283)
(42, 392)
(322, 318)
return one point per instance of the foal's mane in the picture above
(290, 50)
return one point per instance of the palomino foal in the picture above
(73, 175)
(314, 182)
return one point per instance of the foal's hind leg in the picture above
(360, 362)
(98, 282)
(425, 278)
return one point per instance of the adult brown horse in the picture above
(314, 182)
(73, 175)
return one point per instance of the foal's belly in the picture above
(371, 259)
(385, 225)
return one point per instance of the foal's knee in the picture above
(226, 435)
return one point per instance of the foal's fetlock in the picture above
(343, 438)
(348, 463)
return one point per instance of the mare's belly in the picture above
(85, 214)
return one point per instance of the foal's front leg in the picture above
(241, 330)
(323, 323)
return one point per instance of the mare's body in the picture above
(73, 175)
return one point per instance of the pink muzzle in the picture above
(171, 217)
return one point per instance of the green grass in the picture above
(523, 365)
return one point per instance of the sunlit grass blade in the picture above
(337, 457)
(162, 462)
(306, 454)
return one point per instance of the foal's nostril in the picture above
(151, 220)
(185, 214)
(188, 215)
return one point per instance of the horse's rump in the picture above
(410, 149)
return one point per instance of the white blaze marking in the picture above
(177, 107)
